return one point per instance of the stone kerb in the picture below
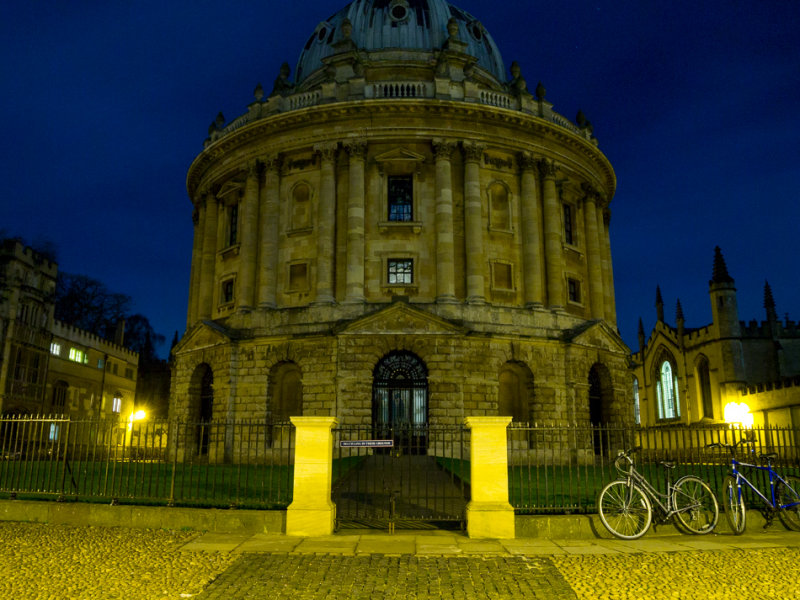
(489, 513)
(311, 512)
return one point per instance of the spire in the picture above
(641, 335)
(659, 305)
(720, 272)
(679, 312)
(769, 303)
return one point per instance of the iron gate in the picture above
(409, 477)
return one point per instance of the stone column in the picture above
(532, 256)
(445, 257)
(207, 275)
(603, 225)
(326, 250)
(594, 260)
(489, 513)
(354, 280)
(554, 259)
(311, 512)
(473, 223)
(198, 216)
(248, 249)
(268, 250)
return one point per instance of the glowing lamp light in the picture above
(738, 414)
(138, 415)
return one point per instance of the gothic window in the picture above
(400, 271)
(400, 194)
(704, 381)
(667, 392)
(636, 407)
(499, 209)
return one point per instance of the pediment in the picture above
(230, 187)
(399, 155)
(203, 335)
(598, 334)
(401, 318)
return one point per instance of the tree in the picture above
(142, 338)
(86, 303)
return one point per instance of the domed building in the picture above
(403, 233)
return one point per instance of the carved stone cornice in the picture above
(473, 152)
(547, 168)
(526, 161)
(443, 149)
(272, 163)
(327, 151)
(356, 148)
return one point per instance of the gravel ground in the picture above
(59, 562)
(723, 575)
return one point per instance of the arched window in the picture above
(637, 417)
(400, 400)
(704, 383)
(285, 392)
(515, 393)
(667, 392)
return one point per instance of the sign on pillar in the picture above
(311, 512)
(489, 513)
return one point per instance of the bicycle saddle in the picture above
(667, 464)
(769, 455)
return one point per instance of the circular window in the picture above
(322, 33)
(399, 12)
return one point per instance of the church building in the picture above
(400, 233)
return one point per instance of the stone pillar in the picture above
(489, 513)
(532, 256)
(198, 216)
(603, 225)
(554, 260)
(207, 275)
(594, 259)
(354, 280)
(445, 257)
(473, 223)
(326, 249)
(311, 512)
(268, 250)
(248, 249)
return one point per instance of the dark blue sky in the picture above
(696, 105)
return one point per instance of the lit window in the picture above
(667, 393)
(116, 405)
(55, 429)
(400, 197)
(55, 348)
(636, 413)
(400, 270)
(78, 356)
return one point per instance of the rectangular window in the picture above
(400, 194)
(298, 277)
(128, 373)
(78, 356)
(574, 290)
(401, 271)
(116, 405)
(227, 291)
(233, 224)
(569, 225)
(502, 276)
(55, 348)
(55, 429)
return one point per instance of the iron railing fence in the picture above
(562, 469)
(244, 463)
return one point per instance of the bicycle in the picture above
(625, 505)
(784, 492)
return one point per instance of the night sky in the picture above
(696, 105)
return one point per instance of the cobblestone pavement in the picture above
(59, 562)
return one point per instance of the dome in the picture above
(415, 25)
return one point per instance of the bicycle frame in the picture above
(634, 477)
(773, 476)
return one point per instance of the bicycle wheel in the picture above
(624, 510)
(696, 506)
(733, 503)
(790, 517)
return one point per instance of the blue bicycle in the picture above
(784, 498)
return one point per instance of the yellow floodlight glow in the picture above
(138, 415)
(738, 414)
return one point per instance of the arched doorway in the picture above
(600, 398)
(202, 394)
(400, 401)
